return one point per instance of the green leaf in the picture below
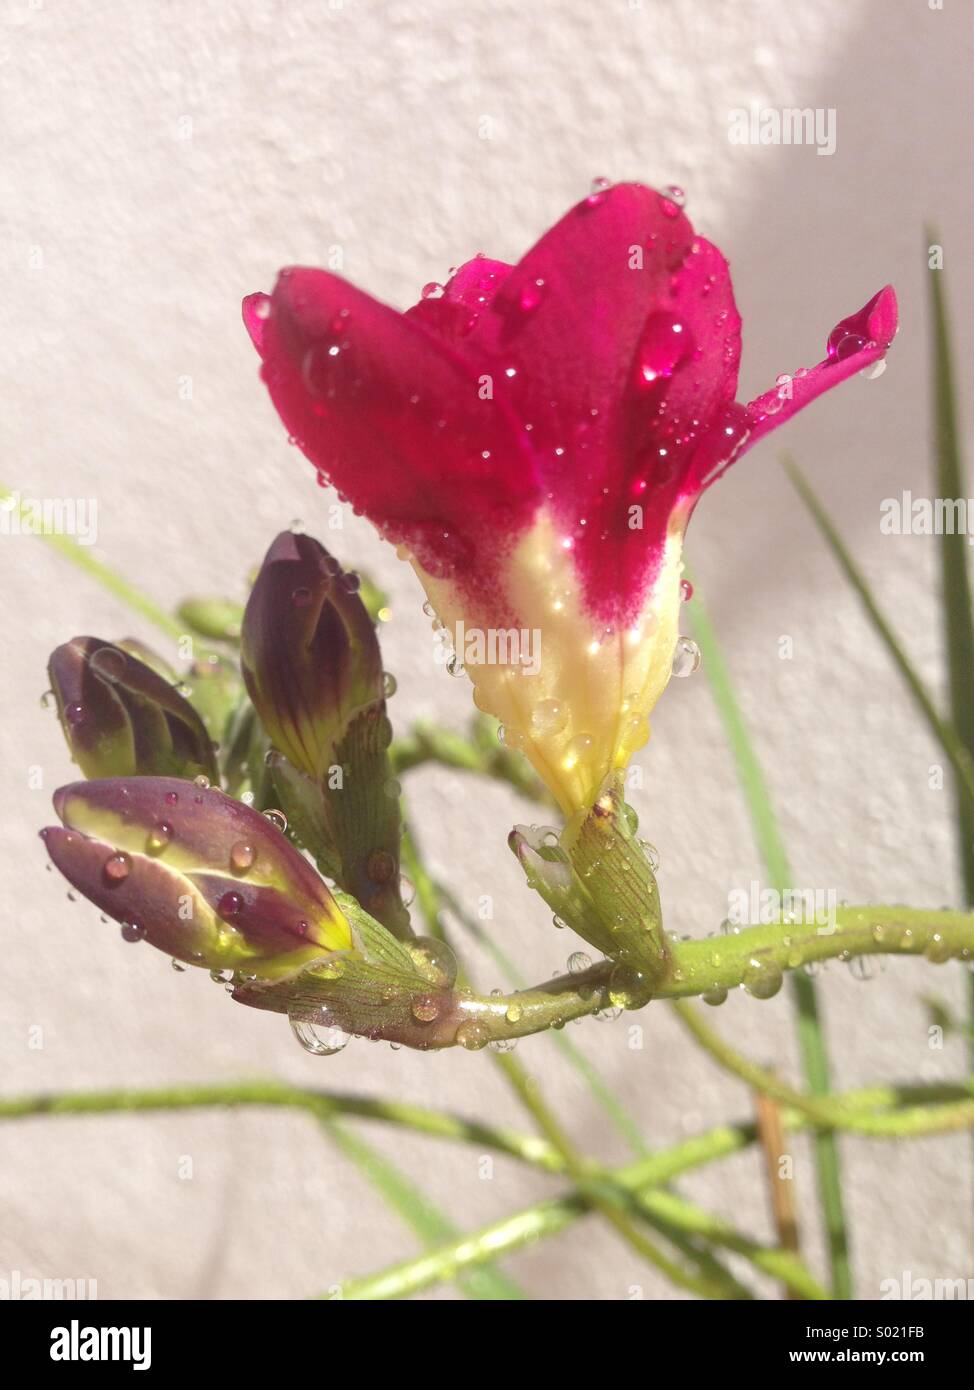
(811, 1039)
(944, 732)
(419, 1213)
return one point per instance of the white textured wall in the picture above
(358, 125)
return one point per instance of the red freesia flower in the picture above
(535, 438)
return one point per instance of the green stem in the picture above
(640, 1178)
(828, 1114)
(598, 1197)
(756, 958)
(811, 1037)
(431, 894)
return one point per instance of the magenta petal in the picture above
(468, 293)
(399, 422)
(256, 308)
(856, 343)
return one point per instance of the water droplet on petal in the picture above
(389, 685)
(874, 370)
(229, 904)
(118, 867)
(664, 344)
(578, 961)
(433, 290)
(686, 590)
(600, 187)
(549, 717)
(132, 932)
(109, 663)
(532, 292)
(159, 837)
(242, 856)
(277, 818)
(686, 657)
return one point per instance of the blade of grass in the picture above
(418, 1212)
(82, 559)
(811, 1039)
(955, 576)
(946, 735)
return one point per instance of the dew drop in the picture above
(686, 590)
(229, 904)
(301, 597)
(763, 978)
(664, 344)
(600, 187)
(118, 867)
(242, 856)
(577, 749)
(201, 781)
(425, 1007)
(277, 818)
(432, 290)
(715, 996)
(938, 950)
(861, 968)
(177, 965)
(549, 717)
(74, 714)
(435, 959)
(629, 988)
(472, 1035)
(320, 1042)
(578, 961)
(686, 657)
(874, 370)
(389, 686)
(532, 292)
(132, 932)
(651, 853)
(159, 837)
(109, 663)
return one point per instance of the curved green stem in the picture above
(756, 958)
(829, 1113)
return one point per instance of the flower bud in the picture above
(121, 718)
(308, 651)
(199, 875)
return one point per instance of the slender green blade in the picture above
(811, 1038)
(944, 732)
(418, 1212)
(955, 575)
